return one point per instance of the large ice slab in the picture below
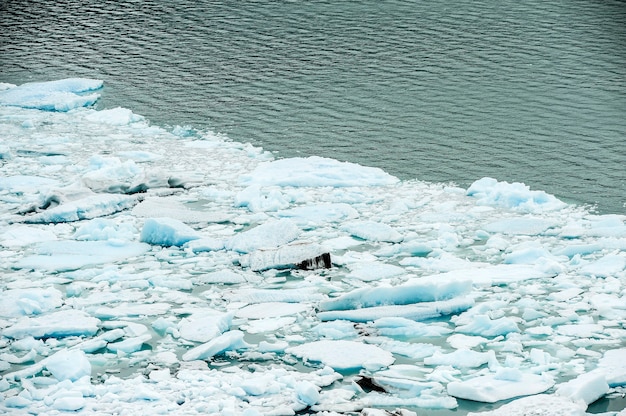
(343, 355)
(112, 175)
(268, 235)
(373, 231)
(58, 324)
(32, 301)
(505, 384)
(484, 325)
(72, 255)
(230, 340)
(586, 388)
(515, 195)
(493, 275)
(93, 206)
(202, 327)
(316, 171)
(416, 311)
(413, 291)
(167, 232)
(61, 95)
(69, 365)
(305, 256)
(319, 214)
(613, 366)
(540, 404)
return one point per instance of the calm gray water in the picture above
(528, 91)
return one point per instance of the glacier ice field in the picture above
(151, 270)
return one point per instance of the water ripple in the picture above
(522, 91)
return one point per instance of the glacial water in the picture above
(533, 92)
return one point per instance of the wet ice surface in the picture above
(147, 270)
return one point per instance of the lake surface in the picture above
(531, 92)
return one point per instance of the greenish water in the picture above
(530, 91)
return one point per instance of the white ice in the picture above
(146, 270)
(343, 355)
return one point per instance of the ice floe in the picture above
(147, 270)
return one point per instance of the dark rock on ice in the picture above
(320, 262)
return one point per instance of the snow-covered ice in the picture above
(147, 270)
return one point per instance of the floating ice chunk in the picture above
(83, 209)
(26, 184)
(406, 377)
(586, 388)
(111, 175)
(129, 345)
(336, 330)
(114, 116)
(607, 226)
(259, 200)
(105, 229)
(608, 265)
(203, 327)
(20, 236)
(613, 366)
(307, 393)
(505, 384)
(268, 235)
(69, 403)
(68, 365)
(160, 375)
(17, 402)
(485, 326)
(413, 291)
(204, 244)
(581, 330)
(440, 262)
(500, 274)
(316, 215)
(370, 271)
(278, 346)
(373, 231)
(231, 340)
(132, 310)
(574, 249)
(411, 248)
(528, 255)
(412, 350)
(139, 155)
(540, 404)
(167, 232)
(316, 171)
(343, 355)
(274, 295)
(54, 325)
(271, 310)
(406, 328)
(259, 326)
(515, 195)
(72, 255)
(425, 401)
(463, 358)
(225, 276)
(460, 341)
(19, 302)
(305, 256)
(416, 312)
(61, 95)
(166, 207)
(519, 226)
